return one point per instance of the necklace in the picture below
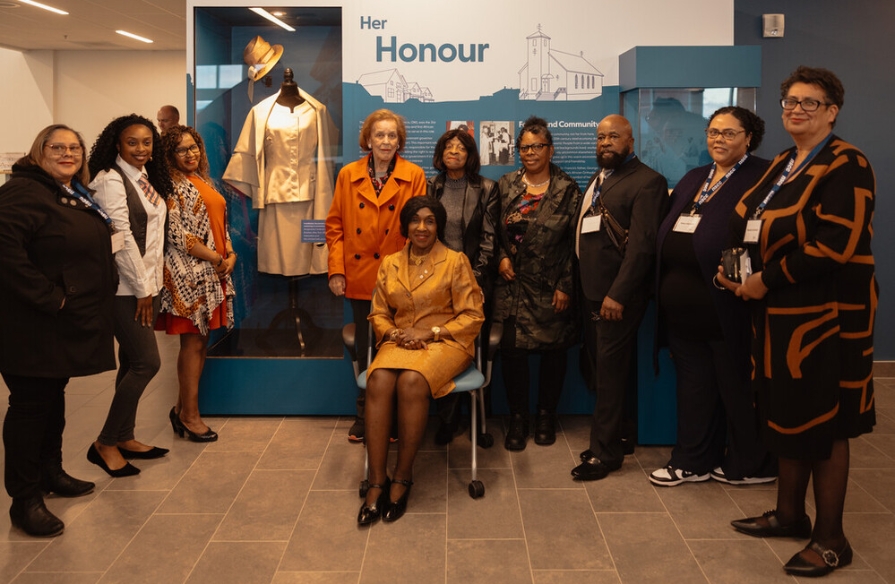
(418, 260)
(535, 185)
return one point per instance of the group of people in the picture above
(773, 369)
(773, 363)
(130, 239)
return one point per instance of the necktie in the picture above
(151, 194)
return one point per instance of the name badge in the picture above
(117, 241)
(687, 223)
(591, 223)
(753, 230)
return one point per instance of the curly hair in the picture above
(473, 163)
(381, 115)
(536, 126)
(171, 142)
(105, 150)
(753, 124)
(825, 79)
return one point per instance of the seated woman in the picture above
(426, 313)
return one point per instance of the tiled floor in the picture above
(275, 500)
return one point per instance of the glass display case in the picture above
(669, 132)
(287, 332)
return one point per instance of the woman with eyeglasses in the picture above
(56, 302)
(707, 329)
(813, 297)
(363, 224)
(198, 293)
(131, 181)
(533, 293)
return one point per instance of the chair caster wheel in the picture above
(485, 440)
(476, 489)
(364, 487)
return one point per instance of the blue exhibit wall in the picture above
(853, 39)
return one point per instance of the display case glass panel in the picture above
(287, 311)
(669, 124)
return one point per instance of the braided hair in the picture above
(105, 150)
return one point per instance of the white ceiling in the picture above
(91, 25)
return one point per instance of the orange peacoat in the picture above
(362, 228)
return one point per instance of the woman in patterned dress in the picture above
(199, 258)
(813, 294)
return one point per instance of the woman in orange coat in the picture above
(363, 223)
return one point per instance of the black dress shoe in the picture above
(771, 526)
(593, 469)
(517, 433)
(628, 445)
(64, 485)
(545, 428)
(372, 513)
(396, 509)
(155, 452)
(587, 454)
(128, 470)
(798, 566)
(32, 516)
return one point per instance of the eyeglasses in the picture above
(713, 133)
(808, 104)
(61, 149)
(532, 147)
(181, 152)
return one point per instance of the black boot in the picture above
(60, 482)
(517, 432)
(545, 428)
(32, 516)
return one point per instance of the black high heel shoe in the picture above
(175, 422)
(128, 470)
(208, 436)
(372, 513)
(396, 509)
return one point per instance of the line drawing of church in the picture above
(551, 75)
(392, 87)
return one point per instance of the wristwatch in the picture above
(436, 331)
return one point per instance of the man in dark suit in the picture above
(620, 215)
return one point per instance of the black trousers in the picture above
(615, 346)
(32, 432)
(717, 423)
(517, 377)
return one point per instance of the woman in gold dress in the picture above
(426, 313)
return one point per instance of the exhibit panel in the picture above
(440, 70)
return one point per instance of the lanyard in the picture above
(599, 189)
(786, 172)
(603, 176)
(708, 192)
(87, 200)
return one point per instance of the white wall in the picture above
(84, 89)
(26, 95)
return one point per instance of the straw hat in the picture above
(261, 57)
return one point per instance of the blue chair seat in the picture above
(469, 380)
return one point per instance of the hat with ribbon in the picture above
(261, 57)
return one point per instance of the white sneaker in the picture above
(671, 477)
(718, 475)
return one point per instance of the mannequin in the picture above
(289, 96)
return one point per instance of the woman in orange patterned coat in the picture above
(807, 227)
(427, 312)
